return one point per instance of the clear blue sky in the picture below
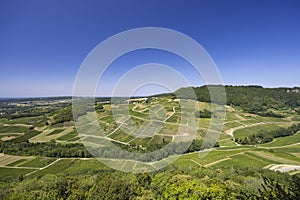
(43, 42)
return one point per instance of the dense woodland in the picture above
(171, 183)
(48, 149)
(252, 99)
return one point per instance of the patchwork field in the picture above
(135, 125)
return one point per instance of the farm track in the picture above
(15, 167)
(52, 163)
(216, 162)
(16, 158)
(27, 125)
(278, 147)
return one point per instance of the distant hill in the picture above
(252, 99)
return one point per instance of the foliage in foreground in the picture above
(171, 184)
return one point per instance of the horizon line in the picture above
(70, 96)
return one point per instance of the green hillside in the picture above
(253, 99)
(256, 154)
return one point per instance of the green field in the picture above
(243, 160)
(23, 120)
(73, 167)
(226, 142)
(56, 131)
(284, 141)
(244, 132)
(38, 162)
(230, 125)
(120, 135)
(13, 129)
(18, 162)
(68, 136)
(13, 173)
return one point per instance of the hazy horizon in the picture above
(70, 96)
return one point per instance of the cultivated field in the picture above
(138, 127)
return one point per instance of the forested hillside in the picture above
(252, 99)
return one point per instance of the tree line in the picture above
(268, 136)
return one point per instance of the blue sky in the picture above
(44, 42)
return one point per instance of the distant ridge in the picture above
(253, 98)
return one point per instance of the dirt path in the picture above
(101, 137)
(240, 117)
(15, 167)
(39, 169)
(27, 125)
(278, 147)
(216, 162)
(170, 114)
(196, 162)
(44, 137)
(35, 168)
(223, 159)
(284, 168)
(50, 164)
